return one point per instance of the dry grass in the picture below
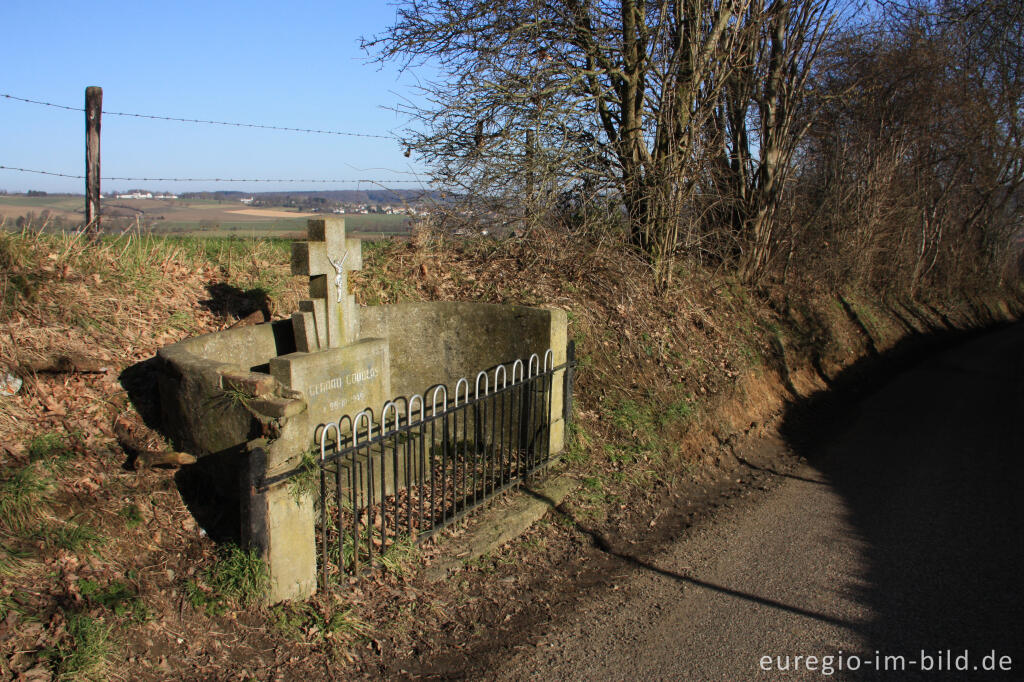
(664, 379)
(115, 302)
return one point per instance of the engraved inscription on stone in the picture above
(341, 382)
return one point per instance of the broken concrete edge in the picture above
(181, 360)
(261, 394)
(250, 383)
(498, 524)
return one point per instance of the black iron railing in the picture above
(396, 479)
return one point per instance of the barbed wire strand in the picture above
(203, 121)
(296, 180)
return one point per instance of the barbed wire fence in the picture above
(303, 180)
(202, 121)
(93, 178)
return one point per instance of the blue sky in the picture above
(274, 63)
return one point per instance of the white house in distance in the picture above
(145, 195)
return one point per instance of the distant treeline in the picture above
(374, 196)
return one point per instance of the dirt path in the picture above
(903, 533)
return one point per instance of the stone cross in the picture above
(327, 318)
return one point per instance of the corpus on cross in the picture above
(339, 279)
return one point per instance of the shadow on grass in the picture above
(210, 488)
(230, 301)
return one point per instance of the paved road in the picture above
(903, 533)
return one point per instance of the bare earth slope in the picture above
(901, 534)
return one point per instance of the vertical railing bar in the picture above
(420, 482)
(570, 371)
(433, 472)
(498, 437)
(520, 416)
(520, 428)
(370, 503)
(530, 372)
(444, 453)
(506, 440)
(444, 467)
(465, 455)
(383, 496)
(475, 450)
(508, 406)
(458, 495)
(495, 440)
(422, 464)
(323, 522)
(356, 474)
(340, 523)
(549, 370)
(513, 433)
(385, 438)
(479, 450)
(527, 431)
(365, 414)
(493, 403)
(323, 500)
(353, 482)
(407, 463)
(340, 474)
(548, 392)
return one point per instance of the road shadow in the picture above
(924, 444)
(601, 542)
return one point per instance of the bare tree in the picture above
(615, 96)
(915, 167)
(764, 116)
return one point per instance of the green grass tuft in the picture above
(88, 653)
(131, 514)
(577, 450)
(21, 499)
(239, 576)
(398, 557)
(48, 446)
(301, 621)
(306, 483)
(70, 536)
(118, 596)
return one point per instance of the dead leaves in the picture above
(55, 408)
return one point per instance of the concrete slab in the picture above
(494, 526)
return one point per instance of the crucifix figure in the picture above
(339, 279)
(326, 319)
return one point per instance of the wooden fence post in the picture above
(93, 112)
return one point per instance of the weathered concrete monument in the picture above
(265, 396)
